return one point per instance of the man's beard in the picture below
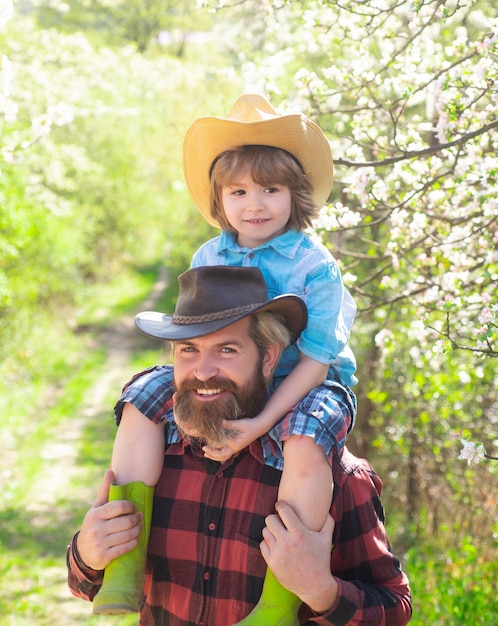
(201, 422)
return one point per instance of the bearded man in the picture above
(216, 526)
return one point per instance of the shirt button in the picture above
(219, 475)
(206, 576)
(212, 526)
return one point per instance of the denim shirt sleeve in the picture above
(331, 312)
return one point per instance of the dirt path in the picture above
(60, 467)
(59, 454)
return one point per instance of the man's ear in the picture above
(270, 359)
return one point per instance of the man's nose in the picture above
(205, 367)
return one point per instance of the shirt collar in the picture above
(180, 446)
(286, 244)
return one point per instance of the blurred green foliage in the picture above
(91, 182)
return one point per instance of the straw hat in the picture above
(216, 296)
(253, 121)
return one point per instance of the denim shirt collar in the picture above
(287, 244)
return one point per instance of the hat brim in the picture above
(160, 326)
(208, 137)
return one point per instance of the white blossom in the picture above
(471, 452)
(6, 11)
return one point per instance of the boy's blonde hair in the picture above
(267, 166)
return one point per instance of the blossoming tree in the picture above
(407, 93)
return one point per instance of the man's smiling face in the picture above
(218, 376)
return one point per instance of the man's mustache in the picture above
(216, 382)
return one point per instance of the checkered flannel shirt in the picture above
(204, 565)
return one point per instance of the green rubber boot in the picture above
(124, 578)
(276, 607)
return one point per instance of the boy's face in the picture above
(257, 213)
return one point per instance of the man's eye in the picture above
(187, 349)
(227, 350)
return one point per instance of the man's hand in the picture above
(300, 558)
(109, 529)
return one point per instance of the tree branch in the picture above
(413, 154)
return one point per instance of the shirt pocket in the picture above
(249, 556)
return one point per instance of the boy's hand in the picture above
(247, 431)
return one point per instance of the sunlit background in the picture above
(96, 222)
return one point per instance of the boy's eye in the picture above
(271, 189)
(238, 192)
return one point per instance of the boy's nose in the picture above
(255, 201)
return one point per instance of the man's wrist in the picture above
(77, 557)
(324, 597)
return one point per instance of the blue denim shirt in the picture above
(294, 263)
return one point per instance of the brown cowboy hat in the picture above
(253, 121)
(213, 297)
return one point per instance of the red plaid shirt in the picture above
(204, 565)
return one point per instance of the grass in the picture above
(43, 507)
(457, 589)
(103, 303)
(56, 444)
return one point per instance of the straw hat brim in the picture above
(208, 137)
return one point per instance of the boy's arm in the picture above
(307, 375)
